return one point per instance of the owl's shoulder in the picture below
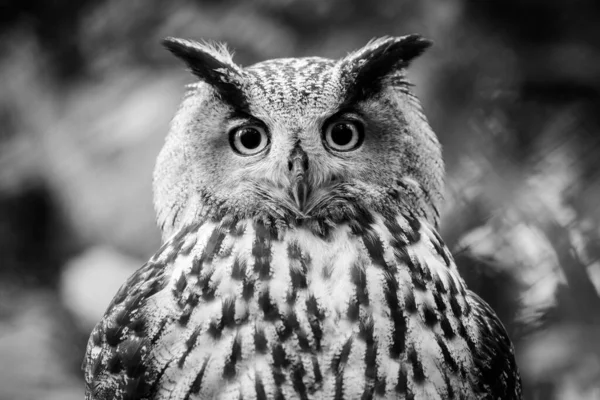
(493, 352)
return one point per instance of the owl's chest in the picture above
(296, 314)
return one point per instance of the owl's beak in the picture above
(298, 167)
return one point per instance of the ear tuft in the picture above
(364, 69)
(213, 64)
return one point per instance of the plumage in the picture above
(309, 266)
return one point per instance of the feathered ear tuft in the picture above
(213, 64)
(364, 70)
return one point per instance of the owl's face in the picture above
(298, 141)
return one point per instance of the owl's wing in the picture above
(114, 363)
(493, 353)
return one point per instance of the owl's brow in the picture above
(234, 96)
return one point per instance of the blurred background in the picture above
(512, 87)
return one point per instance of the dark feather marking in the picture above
(261, 250)
(462, 332)
(208, 291)
(359, 278)
(260, 340)
(425, 271)
(229, 370)
(185, 315)
(313, 308)
(279, 355)
(374, 247)
(401, 254)
(215, 328)
(291, 296)
(368, 392)
(339, 360)
(189, 346)
(418, 373)
(380, 385)
(112, 333)
(399, 322)
(298, 380)
(452, 284)
(268, 308)
(447, 327)
(155, 286)
(213, 245)
(456, 310)
(287, 326)
(448, 359)
(238, 229)
(248, 288)
(439, 302)
(315, 316)
(449, 389)
(161, 328)
(197, 383)
(122, 317)
(414, 234)
(409, 302)
(429, 315)
(156, 380)
(316, 370)
(180, 285)
(402, 385)
(418, 281)
(366, 333)
(317, 331)
(136, 388)
(439, 285)
(339, 387)
(293, 251)
(467, 308)
(228, 313)
(438, 246)
(259, 388)
(394, 227)
(353, 309)
(361, 222)
(279, 378)
(197, 266)
(113, 361)
(298, 275)
(238, 270)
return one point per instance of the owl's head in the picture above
(298, 141)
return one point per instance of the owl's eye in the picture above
(249, 139)
(344, 135)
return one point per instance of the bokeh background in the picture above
(512, 87)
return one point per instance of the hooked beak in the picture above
(298, 167)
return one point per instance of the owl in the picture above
(299, 202)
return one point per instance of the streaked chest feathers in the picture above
(233, 310)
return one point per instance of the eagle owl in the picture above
(299, 203)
